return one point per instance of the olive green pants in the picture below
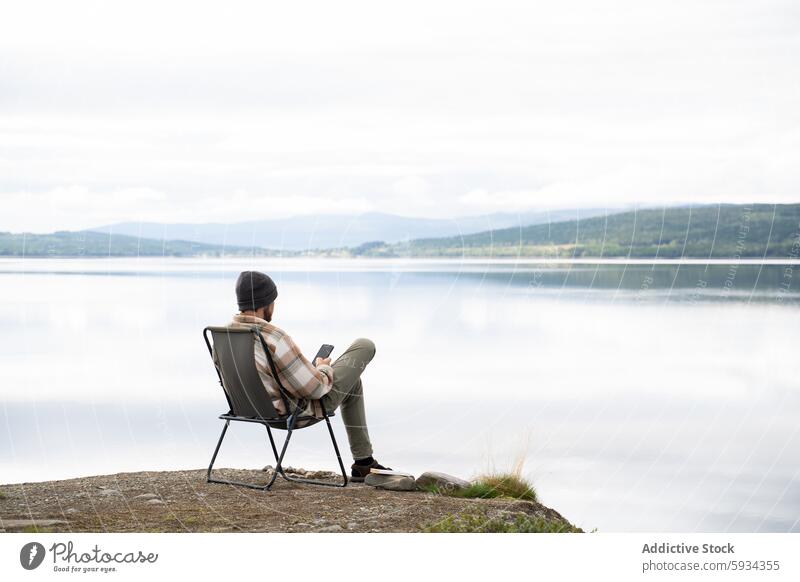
(348, 395)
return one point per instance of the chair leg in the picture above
(336, 448)
(216, 450)
(225, 481)
(279, 459)
(279, 467)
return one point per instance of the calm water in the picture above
(649, 398)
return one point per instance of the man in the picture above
(336, 385)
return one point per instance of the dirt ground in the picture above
(178, 501)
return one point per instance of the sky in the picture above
(229, 111)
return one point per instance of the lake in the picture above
(640, 397)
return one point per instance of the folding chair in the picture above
(248, 401)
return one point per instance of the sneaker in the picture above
(359, 472)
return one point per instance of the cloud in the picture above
(434, 110)
(243, 205)
(75, 207)
(78, 207)
(736, 179)
(505, 200)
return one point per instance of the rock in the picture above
(154, 502)
(324, 475)
(289, 507)
(109, 492)
(441, 481)
(390, 482)
(305, 473)
(22, 523)
(330, 529)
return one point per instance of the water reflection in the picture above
(642, 398)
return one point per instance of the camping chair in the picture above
(248, 400)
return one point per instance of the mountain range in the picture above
(720, 231)
(327, 231)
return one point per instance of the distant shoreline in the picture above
(449, 260)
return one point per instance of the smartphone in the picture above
(323, 352)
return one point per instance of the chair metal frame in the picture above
(260, 404)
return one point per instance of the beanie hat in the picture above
(254, 290)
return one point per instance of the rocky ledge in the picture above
(178, 501)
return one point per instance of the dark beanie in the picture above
(254, 290)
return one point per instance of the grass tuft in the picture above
(499, 485)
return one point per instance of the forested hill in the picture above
(97, 244)
(725, 231)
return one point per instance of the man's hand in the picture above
(319, 361)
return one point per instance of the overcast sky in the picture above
(226, 111)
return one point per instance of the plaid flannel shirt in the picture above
(299, 377)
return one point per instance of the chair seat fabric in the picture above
(279, 423)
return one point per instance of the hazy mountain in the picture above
(336, 231)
